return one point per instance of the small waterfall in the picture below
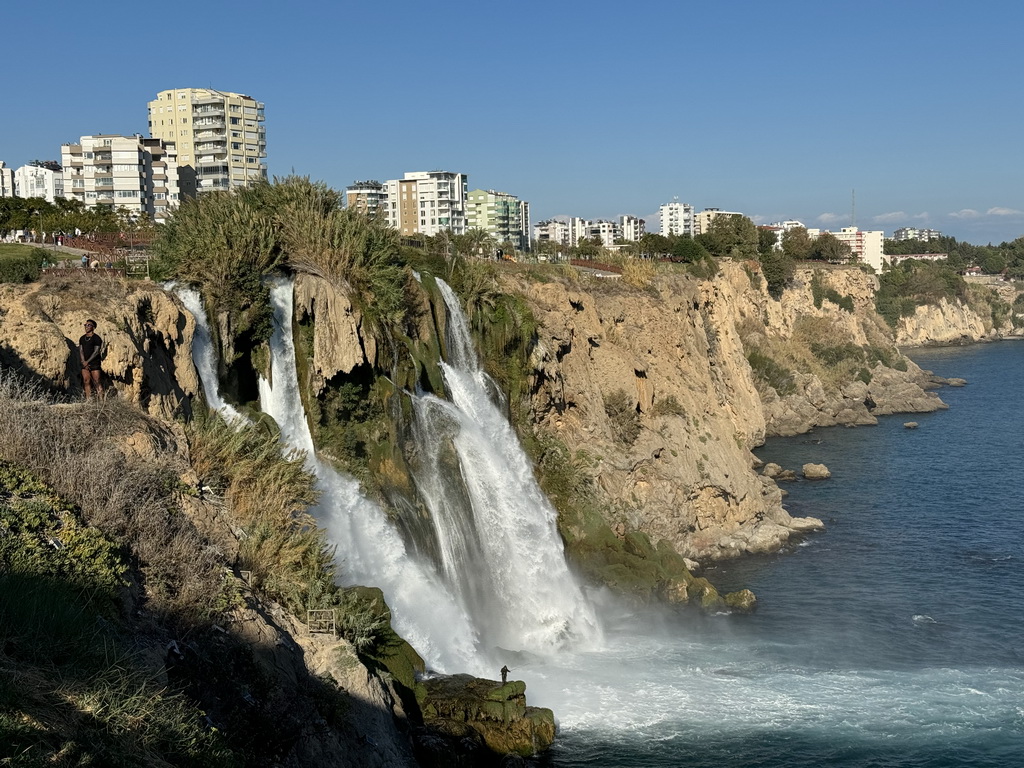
(370, 550)
(497, 533)
(204, 356)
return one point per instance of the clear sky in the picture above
(779, 110)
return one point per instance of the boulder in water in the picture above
(816, 472)
(910, 424)
(480, 719)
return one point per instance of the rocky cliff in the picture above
(656, 386)
(147, 337)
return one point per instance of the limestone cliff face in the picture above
(338, 342)
(953, 322)
(146, 332)
(797, 324)
(676, 354)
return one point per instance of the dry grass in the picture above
(74, 449)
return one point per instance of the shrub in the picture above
(667, 406)
(623, 417)
(771, 373)
(22, 268)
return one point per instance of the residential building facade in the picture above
(220, 137)
(631, 228)
(676, 219)
(503, 216)
(866, 246)
(912, 233)
(39, 181)
(605, 231)
(370, 197)
(130, 172)
(6, 180)
(427, 202)
(702, 221)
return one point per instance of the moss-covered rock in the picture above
(480, 720)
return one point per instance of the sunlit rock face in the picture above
(146, 332)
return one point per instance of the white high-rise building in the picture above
(631, 228)
(130, 172)
(866, 246)
(39, 181)
(6, 180)
(912, 233)
(676, 219)
(219, 135)
(427, 202)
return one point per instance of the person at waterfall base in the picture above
(504, 674)
(89, 348)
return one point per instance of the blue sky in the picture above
(779, 110)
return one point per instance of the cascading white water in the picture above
(204, 356)
(369, 549)
(498, 537)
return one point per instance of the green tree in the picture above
(767, 240)
(688, 250)
(732, 237)
(797, 244)
(828, 247)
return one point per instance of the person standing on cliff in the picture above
(89, 348)
(504, 674)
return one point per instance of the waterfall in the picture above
(370, 550)
(204, 356)
(497, 534)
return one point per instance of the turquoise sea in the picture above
(894, 638)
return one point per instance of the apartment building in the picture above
(676, 219)
(503, 216)
(370, 197)
(605, 231)
(427, 202)
(912, 233)
(865, 245)
(220, 137)
(6, 180)
(45, 181)
(631, 228)
(551, 231)
(130, 172)
(702, 221)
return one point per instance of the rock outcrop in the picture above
(480, 719)
(671, 361)
(147, 337)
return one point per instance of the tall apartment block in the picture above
(503, 216)
(140, 175)
(427, 202)
(676, 219)
(220, 137)
(370, 197)
(6, 180)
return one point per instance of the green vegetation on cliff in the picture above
(122, 544)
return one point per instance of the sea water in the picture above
(893, 638)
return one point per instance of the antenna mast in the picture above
(853, 208)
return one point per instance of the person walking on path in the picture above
(89, 348)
